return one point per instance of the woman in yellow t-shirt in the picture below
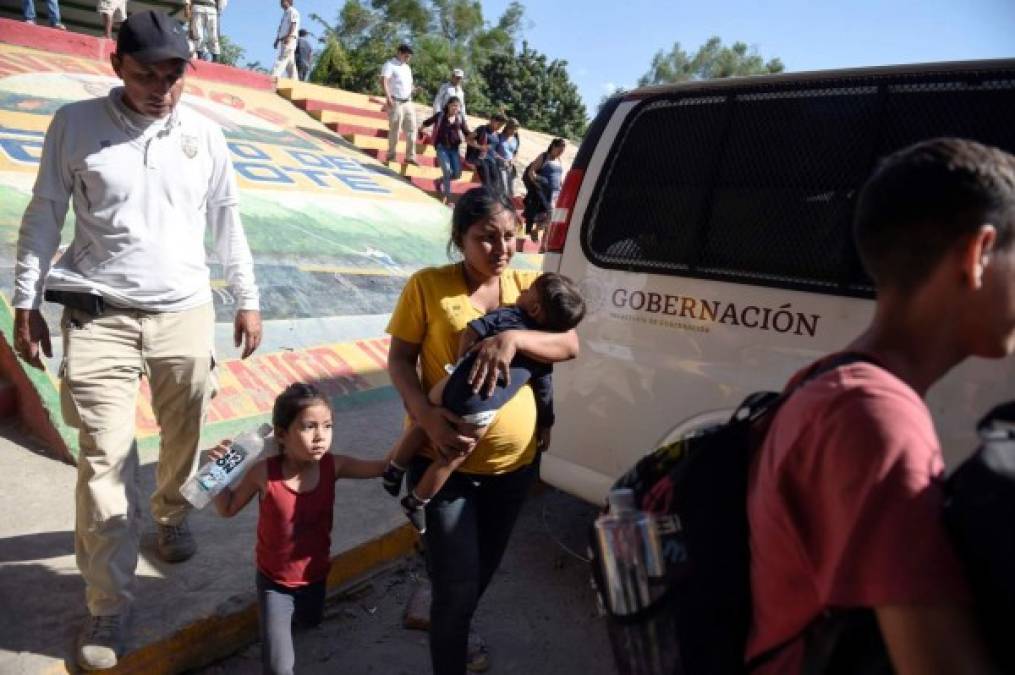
(470, 520)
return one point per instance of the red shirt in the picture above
(294, 529)
(844, 505)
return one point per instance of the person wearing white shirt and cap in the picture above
(449, 89)
(396, 79)
(285, 42)
(146, 177)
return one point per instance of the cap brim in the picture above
(154, 55)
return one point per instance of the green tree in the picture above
(712, 60)
(536, 90)
(447, 34)
(230, 53)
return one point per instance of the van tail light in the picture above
(560, 218)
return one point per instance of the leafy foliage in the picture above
(540, 93)
(712, 60)
(448, 34)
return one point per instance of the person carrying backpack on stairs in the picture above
(844, 499)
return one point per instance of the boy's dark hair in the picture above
(296, 398)
(404, 49)
(924, 199)
(561, 300)
(556, 143)
(498, 117)
(304, 32)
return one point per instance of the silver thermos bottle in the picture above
(633, 572)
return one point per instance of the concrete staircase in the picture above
(361, 120)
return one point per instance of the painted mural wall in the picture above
(333, 233)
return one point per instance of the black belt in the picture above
(88, 303)
(401, 100)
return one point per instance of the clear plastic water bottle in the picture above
(216, 474)
(632, 560)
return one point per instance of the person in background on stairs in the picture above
(285, 41)
(148, 178)
(52, 13)
(449, 89)
(203, 18)
(482, 152)
(304, 55)
(449, 129)
(396, 80)
(112, 12)
(505, 153)
(542, 179)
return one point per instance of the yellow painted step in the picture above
(375, 143)
(424, 171)
(328, 116)
(295, 90)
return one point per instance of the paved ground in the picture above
(537, 617)
(42, 595)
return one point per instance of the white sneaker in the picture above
(100, 642)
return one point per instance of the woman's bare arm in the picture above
(494, 354)
(466, 339)
(437, 422)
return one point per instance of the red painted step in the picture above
(431, 185)
(344, 129)
(312, 104)
(382, 157)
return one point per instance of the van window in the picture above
(758, 185)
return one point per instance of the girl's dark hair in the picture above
(451, 99)
(556, 143)
(296, 398)
(476, 205)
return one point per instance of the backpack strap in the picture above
(760, 404)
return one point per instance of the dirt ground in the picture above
(538, 616)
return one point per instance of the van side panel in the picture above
(714, 250)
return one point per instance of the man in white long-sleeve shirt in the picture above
(146, 177)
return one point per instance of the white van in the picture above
(709, 225)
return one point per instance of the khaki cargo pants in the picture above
(104, 359)
(402, 116)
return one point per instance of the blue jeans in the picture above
(469, 523)
(451, 166)
(52, 9)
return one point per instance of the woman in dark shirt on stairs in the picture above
(450, 129)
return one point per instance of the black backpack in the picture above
(980, 516)
(697, 488)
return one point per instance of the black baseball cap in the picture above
(404, 49)
(151, 36)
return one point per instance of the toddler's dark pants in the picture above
(278, 607)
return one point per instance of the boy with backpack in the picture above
(844, 497)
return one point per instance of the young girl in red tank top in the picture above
(297, 497)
